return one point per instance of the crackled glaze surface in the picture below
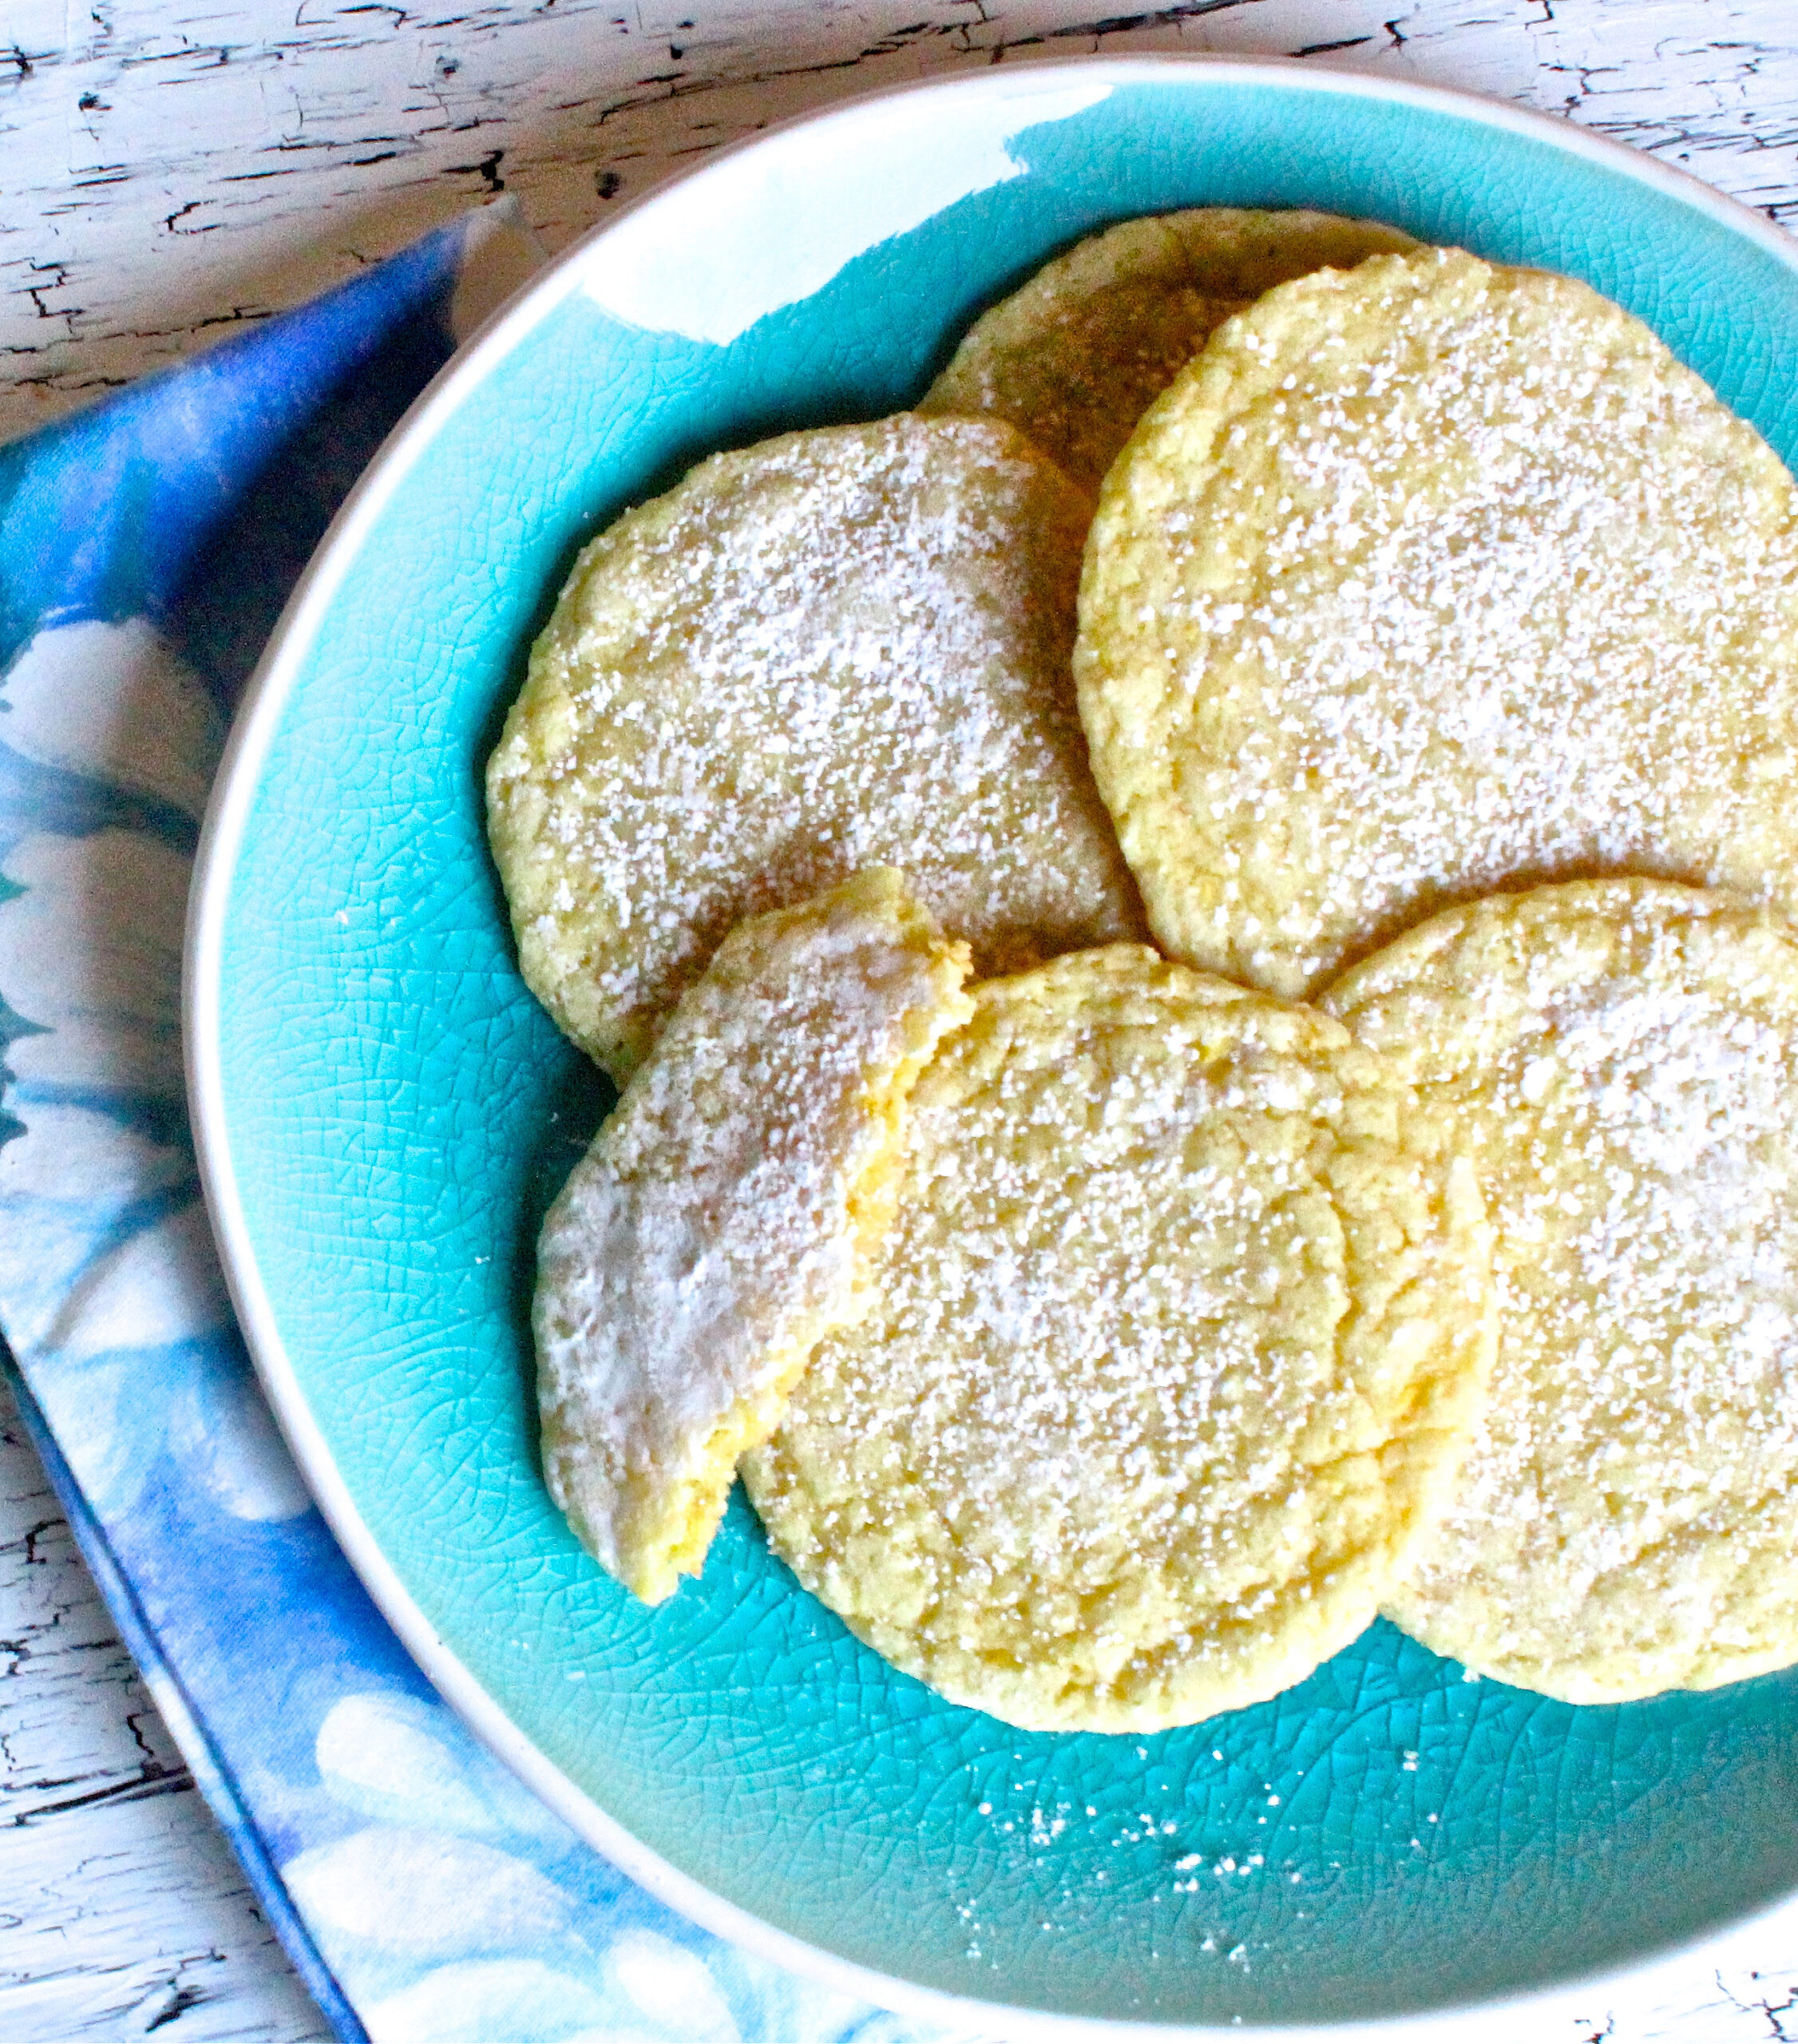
(1350, 1846)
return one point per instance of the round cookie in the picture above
(1075, 357)
(724, 1215)
(1174, 1341)
(840, 648)
(1620, 1058)
(1424, 578)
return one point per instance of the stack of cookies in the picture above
(1108, 1329)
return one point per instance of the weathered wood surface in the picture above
(169, 169)
(122, 1911)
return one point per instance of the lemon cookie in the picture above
(1175, 1337)
(1074, 358)
(723, 1216)
(840, 648)
(1620, 1058)
(1426, 577)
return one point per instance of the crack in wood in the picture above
(123, 1910)
(488, 170)
(153, 1779)
(184, 1995)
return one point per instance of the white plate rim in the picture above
(265, 697)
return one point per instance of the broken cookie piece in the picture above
(722, 1222)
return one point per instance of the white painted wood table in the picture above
(171, 168)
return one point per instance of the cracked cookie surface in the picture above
(1425, 578)
(1620, 1059)
(1074, 356)
(1172, 1347)
(724, 1215)
(843, 647)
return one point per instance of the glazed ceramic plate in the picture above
(383, 1112)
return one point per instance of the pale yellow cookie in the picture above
(1424, 578)
(724, 1216)
(1074, 356)
(1620, 1058)
(843, 647)
(1176, 1336)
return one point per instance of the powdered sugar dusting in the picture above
(845, 648)
(1630, 1507)
(1090, 1459)
(712, 1232)
(1075, 357)
(1474, 582)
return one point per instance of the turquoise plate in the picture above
(383, 1111)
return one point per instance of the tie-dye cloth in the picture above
(146, 547)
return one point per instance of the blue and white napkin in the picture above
(146, 547)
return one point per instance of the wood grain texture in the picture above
(170, 169)
(122, 1911)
